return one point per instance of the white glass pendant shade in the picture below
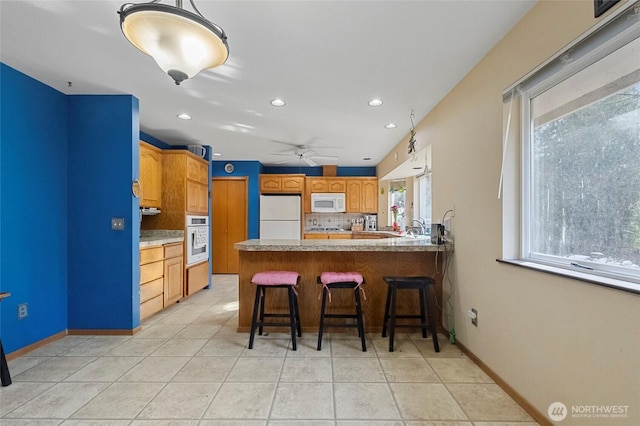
(182, 43)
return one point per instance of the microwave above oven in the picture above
(327, 202)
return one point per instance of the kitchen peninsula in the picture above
(374, 259)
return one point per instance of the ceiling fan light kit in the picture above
(181, 42)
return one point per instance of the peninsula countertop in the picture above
(400, 244)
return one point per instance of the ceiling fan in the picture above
(302, 153)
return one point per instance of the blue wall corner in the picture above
(103, 161)
(154, 141)
(33, 209)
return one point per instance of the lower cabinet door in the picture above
(197, 278)
(151, 306)
(173, 273)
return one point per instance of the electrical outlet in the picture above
(117, 223)
(473, 314)
(23, 312)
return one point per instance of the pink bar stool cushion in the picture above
(339, 277)
(275, 278)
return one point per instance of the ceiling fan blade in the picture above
(309, 161)
(285, 161)
(325, 157)
(288, 154)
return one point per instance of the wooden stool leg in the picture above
(292, 318)
(254, 318)
(295, 305)
(263, 296)
(360, 320)
(5, 377)
(392, 316)
(386, 312)
(322, 308)
(423, 316)
(431, 308)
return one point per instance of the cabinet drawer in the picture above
(151, 289)
(173, 250)
(197, 278)
(151, 271)
(151, 255)
(151, 306)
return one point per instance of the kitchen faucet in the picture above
(423, 226)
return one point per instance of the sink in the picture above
(419, 236)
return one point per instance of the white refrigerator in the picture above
(280, 217)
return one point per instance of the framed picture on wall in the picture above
(601, 6)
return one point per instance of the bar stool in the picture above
(412, 283)
(275, 279)
(335, 280)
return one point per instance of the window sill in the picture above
(614, 283)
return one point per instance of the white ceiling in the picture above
(326, 59)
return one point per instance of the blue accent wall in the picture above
(252, 170)
(104, 272)
(317, 171)
(154, 141)
(33, 209)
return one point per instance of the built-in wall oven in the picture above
(197, 239)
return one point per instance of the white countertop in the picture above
(158, 237)
(383, 244)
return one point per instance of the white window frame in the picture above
(620, 29)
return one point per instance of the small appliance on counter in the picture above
(371, 222)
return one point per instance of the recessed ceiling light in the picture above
(391, 126)
(184, 116)
(278, 103)
(217, 154)
(375, 102)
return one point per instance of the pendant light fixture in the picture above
(182, 43)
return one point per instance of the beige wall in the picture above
(550, 338)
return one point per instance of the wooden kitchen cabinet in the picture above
(197, 278)
(197, 198)
(197, 185)
(150, 163)
(197, 170)
(161, 278)
(345, 236)
(327, 184)
(151, 281)
(173, 273)
(362, 195)
(283, 184)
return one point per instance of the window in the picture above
(581, 162)
(397, 197)
(424, 191)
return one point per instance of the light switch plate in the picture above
(117, 223)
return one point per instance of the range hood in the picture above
(149, 211)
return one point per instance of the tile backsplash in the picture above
(328, 220)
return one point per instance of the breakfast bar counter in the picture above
(374, 259)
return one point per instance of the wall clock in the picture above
(228, 168)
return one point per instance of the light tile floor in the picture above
(188, 366)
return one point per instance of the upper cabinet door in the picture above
(150, 175)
